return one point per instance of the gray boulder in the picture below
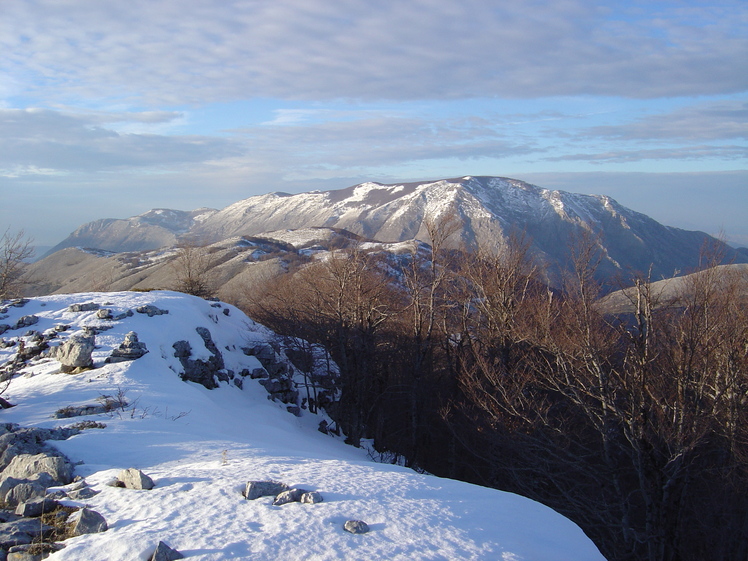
(86, 521)
(257, 489)
(7, 484)
(75, 353)
(33, 552)
(24, 492)
(24, 466)
(82, 494)
(21, 531)
(201, 371)
(165, 553)
(26, 321)
(132, 478)
(290, 496)
(356, 527)
(36, 507)
(84, 307)
(150, 310)
(104, 313)
(130, 349)
(312, 498)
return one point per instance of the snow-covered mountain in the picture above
(489, 208)
(201, 447)
(156, 228)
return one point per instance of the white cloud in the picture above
(40, 140)
(705, 121)
(186, 51)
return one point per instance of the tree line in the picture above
(468, 365)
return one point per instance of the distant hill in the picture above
(156, 228)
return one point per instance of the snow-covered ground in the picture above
(201, 447)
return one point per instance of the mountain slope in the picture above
(490, 209)
(151, 230)
(201, 446)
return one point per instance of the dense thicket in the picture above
(634, 426)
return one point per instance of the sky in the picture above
(109, 109)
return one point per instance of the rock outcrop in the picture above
(75, 353)
(130, 349)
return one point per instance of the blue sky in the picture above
(109, 109)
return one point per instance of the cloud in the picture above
(194, 51)
(678, 153)
(44, 142)
(374, 140)
(703, 122)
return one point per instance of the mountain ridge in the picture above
(490, 209)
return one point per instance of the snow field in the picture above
(201, 447)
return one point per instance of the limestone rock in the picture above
(200, 371)
(84, 307)
(24, 466)
(22, 493)
(82, 494)
(135, 479)
(33, 552)
(257, 489)
(26, 321)
(290, 496)
(21, 531)
(356, 527)
(312, 498)
(87, 521)
(150, 310)
(165, 553)
(75, 353)
(36, 507)
(130, 349)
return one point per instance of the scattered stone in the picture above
(290, 496)
(21, 531)
(33, 552)
(75, 353)
(135, 479)
(26, 321)
(130, 349)
(85, 307)
(150, 310)
(165, 553)
(82, 494)
(311, 498)
(87, 521)
(256, 373)
(257, 489)
(24, 492)
(24, 466)
(356, 527)
(123, 315)
(104, 313)
(36, 507)
(4, 327)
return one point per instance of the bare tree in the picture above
(192, 268)
(15, 251)
(634, 426)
